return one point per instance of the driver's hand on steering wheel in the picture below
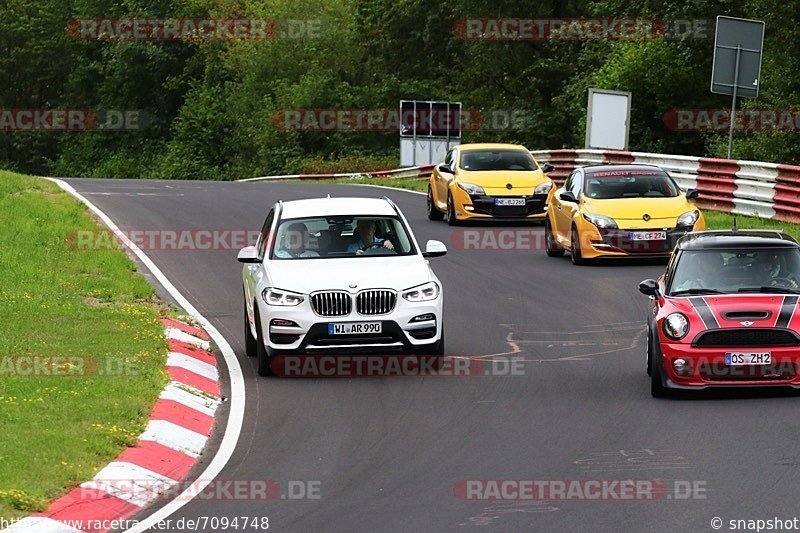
(388, 244)
(359, 252)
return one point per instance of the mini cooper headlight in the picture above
(601, 221)
(676, 326)
(422, 293)
(688, 218)
(543, 188)
(471, 188)
(282, 298)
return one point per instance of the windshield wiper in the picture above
(696, 291)
(780, 290)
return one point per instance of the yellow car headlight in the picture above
(601, 221)
(471, 188)
(688, 218)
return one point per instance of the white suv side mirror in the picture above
(248, 254)
(434, 249)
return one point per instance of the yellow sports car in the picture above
(488, 181)
(619, 211)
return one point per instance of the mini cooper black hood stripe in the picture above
(705, 312)
(787, 311)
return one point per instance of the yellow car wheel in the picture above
(575, 254)
(552, 247)
(433, 213)
(450, 215)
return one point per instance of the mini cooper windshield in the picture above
(482, 160)
(339, 236)
(737, 271)
(630, 184)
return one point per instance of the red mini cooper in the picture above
(725, 312)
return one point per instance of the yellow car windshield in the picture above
(615, 184)
(481, 160)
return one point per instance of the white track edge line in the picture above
(236, 416)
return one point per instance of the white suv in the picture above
(340, 275)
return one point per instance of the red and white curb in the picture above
(179, 427)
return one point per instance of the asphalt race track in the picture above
(388, 452)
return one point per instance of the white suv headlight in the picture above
(280, 297)
(688, 218)
(471, 188)
(543, 188)
(422, 293)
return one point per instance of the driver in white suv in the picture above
(364, 237)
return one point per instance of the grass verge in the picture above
(717, 220)
(63, 419)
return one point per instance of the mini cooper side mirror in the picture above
(692, 194)
(444, 168)
(568, 197)
(547, 168)
(649, 287)
(248, 254)
(434, 249)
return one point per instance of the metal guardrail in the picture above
(766, 190)
(423, 172)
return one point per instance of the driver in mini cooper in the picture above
(767, 271)
(364, 237)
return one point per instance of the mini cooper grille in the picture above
(331, 303)
(735, 338)
(377, 302)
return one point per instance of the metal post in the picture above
(430, 135)
(733, 101)
(414, 139)
(449, 118)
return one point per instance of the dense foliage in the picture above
(210, 106)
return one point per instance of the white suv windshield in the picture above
(341, 236)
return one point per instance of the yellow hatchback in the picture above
(619, 211)
(488, 181)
